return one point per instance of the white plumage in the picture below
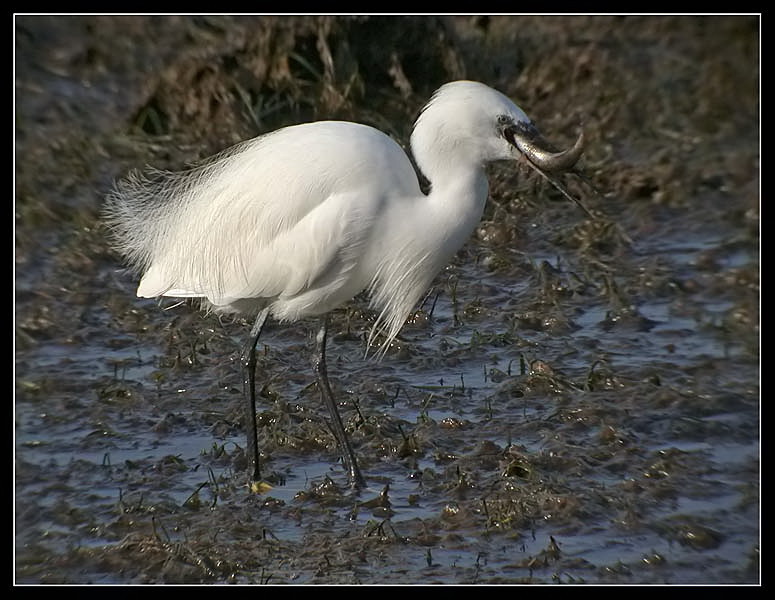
(300, 220)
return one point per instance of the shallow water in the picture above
(574, 408)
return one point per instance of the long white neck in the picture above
(443, 221)
(455, 205)
(455, 166)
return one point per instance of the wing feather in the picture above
(267, 218)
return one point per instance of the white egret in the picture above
(294, 223)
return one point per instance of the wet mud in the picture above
(576, 401)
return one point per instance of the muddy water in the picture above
(576, 401)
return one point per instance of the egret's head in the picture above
(466, 120)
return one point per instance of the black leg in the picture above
(248, 361)
(319, 363)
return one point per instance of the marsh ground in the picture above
(581, 404)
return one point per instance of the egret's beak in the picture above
(543, 158)
(529, 141)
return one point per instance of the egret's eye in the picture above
(504, 120)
